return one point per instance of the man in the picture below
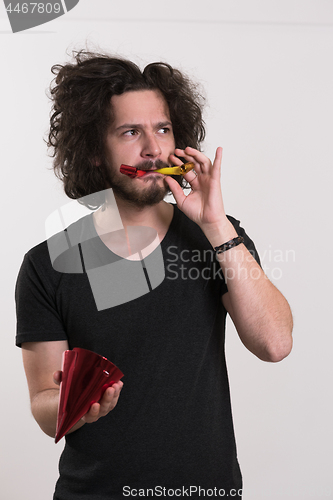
(170, 431)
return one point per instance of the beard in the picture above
(149, 192)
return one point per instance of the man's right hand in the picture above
(100, 409)
(42, 361)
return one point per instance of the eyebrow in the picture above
(130, 126)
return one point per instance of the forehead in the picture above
(139, 106)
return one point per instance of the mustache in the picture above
(151, 165)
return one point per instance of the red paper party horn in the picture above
(85, 377)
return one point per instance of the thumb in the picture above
(176, 190)
(57, 376)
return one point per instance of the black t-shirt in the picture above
(172, 427)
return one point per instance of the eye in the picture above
(164, 130)
(130, 132)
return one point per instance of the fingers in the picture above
(189, 177)
(202, 164)
(105, 405)
(176, 190)
(204, 179)
(217, 162)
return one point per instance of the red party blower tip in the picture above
(131, 171)
(85, 377)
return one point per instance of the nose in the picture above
(151, 147)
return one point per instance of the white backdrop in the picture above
(267, 71)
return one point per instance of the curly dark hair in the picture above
(81, 114)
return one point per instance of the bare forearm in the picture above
(44, 407)
(41, 362)
(259, 311)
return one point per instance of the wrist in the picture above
(219, 233)
(234, 242)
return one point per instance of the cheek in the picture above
(170, 144)
(118, 154)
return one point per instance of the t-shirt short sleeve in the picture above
(37, 316)
(247, 242)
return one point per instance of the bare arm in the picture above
(259, 311)
(42, 364)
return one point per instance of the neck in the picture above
(156, 216)
(122, 215)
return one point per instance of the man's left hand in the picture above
(204, 204)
